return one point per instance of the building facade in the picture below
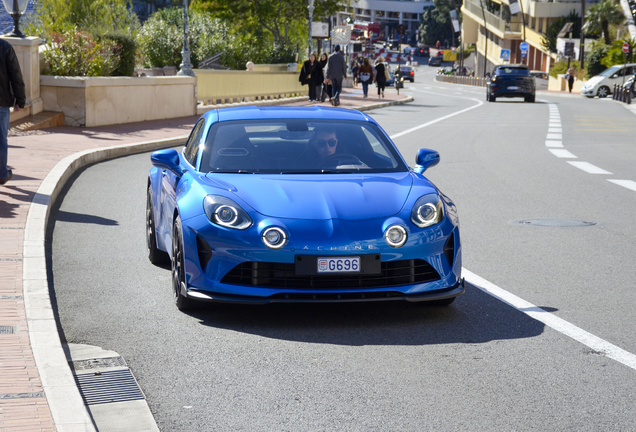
(492, 28)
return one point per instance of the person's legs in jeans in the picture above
(5, 118)
(337, 88)
(365, 88)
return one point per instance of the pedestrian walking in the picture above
(335, 73)
(309, 76)
(365, 76)
(326, 88)
(438, 45)
(12, 94)
(569, 76)
(380, 76)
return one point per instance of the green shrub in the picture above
(561, 67)
(77, 53)
(127, 52)
(598, 50)
(615, 53)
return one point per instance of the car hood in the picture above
(594, 80)
(320, 196)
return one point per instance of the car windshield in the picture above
(611, 71)
(513, 71)
(298, 146)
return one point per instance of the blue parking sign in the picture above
(505, 54)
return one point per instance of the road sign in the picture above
(625, 47)
(523, 46)
(401, 29)
(505, 54)
(524, 54)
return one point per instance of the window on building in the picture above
(540, 25)
(534, 22)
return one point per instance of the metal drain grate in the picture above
(553, 223)
(6, 330)
(108, 387)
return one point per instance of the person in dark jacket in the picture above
(12, 94)
(309, 75)
(326, 88)
(379, 76)
(336, 72)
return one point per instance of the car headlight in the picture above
(274, 238)
(395, 236)
(225, 212)
(427, 211)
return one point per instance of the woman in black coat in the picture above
(309, 75)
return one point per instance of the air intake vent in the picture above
(449, 249)
(282, 275)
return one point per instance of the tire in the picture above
(530, 98)
(490, 98)
(603, 92)
(178, 271)
(155, 255)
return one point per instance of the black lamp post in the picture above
(16, 8)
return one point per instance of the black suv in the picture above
(511, 81)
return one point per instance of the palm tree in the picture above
(599, 17)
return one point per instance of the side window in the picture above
(375, 143)
(192, 146)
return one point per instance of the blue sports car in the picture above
(309, 204)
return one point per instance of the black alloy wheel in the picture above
(178, 268)
(155, 255)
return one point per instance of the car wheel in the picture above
(178, 268)
(530, 98)
(603, 92)
(155, 255)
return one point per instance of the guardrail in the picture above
(459, 79)
(622, 94)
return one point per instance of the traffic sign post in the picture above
(625, 51)
(523, 46)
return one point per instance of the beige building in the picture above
(497, 29)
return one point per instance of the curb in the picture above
(67, 407)
(62, 394)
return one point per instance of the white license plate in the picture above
(513, 88)
(339, 265)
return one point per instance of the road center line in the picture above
(552, 321)
(413, 129)
(629, 184)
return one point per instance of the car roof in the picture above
(258, 113)
(517, 66)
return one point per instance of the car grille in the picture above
(282, 275)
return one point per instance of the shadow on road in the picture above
(475, 317)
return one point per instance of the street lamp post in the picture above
(16, 8)
(186, 65)
(311, 15)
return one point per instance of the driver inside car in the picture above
(325, 142)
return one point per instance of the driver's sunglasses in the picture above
(324, 143)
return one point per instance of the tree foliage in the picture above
(614, 53)
(596, 52)
(549, 41)
(599, 17)
(435, 24)
(78, 53)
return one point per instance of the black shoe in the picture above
(3, 181)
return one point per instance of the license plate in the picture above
(513, 88)
(339, 265)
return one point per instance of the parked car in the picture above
(602, 84)
(281, 204)
(408, 73)
(436, 60)
(511, 81)
(422, 51)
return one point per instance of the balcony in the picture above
(495, 23)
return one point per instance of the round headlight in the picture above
(226, 214)
(427, 213)
(274, 238)
(395, 236)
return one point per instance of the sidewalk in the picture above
(37, 391)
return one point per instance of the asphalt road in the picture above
(479, 364)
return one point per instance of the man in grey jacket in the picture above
(336, 72)
(12, 94)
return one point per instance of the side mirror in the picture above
(426, 158)
(168, 160)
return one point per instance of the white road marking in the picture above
(553, 136)
(589, 168)
(413, 129)
(554, 144)
(629, 184)
(562, 153)
(555, 130)
(578, 334)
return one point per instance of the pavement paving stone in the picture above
(32, 156)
